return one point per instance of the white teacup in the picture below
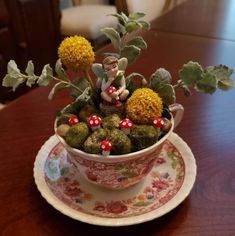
(120, 171)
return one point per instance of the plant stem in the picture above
(178, 84)
(68, 83)
(89, 80)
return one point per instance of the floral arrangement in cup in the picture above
(120, 113)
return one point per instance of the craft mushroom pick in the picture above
(105, 146)
(94, 122)
(126, 125)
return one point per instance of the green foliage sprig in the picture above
(127, 45)
(15, 77)
(192, 75)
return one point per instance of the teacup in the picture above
(120, 171)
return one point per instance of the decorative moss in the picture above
(143, 136)
(76, 135)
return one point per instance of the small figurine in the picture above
(111, 80)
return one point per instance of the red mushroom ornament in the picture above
(105, 146)
(126, 125)
(94, 122)
(73, 120)
(158, 122)
(111, 90)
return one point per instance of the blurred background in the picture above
(33, 29)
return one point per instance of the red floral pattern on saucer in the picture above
(158, 188)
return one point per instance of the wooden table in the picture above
(208, 128)
(209, 18)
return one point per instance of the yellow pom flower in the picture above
(76, 53)
(143, 106)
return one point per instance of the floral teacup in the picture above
(120, 171)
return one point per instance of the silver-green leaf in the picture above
(132, 26)
(32, 78)
(207, 84)
(60, 71)
(113, 35)
(138, 42)
(145, 25)
(131, 53)
(11, 81)
(56, 87)
(225, 84)
(167, 94)
(46, 77)
(136, 15)
(30, 68)
(190, 73)
(160, 78)
(122, 18)
(222, 74)
(12, 68)
(85, 96)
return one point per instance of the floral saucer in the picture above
(167, 185)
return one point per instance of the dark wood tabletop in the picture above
(208, 128)
(210, 18)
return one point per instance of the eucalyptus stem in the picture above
(68, 83)
(178, 84)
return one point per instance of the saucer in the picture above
(165, 187)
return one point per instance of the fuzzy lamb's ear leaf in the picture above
(225, 84)
(132, 26)
(145, 25)
(85, 96)
(10, 81)
(121, 28)
(222, 74)
(131, 53)
(138, 42)
(56, 87)
(167, 94)
(60, 71)
(160, 78)
(30, 68)
(136, 15)
(46, 77)
(32, 78)
(113, 35)
(12, 68)
(190, 73)
(14, 78)
(121, 18)
(207, 84)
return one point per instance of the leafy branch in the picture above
(14, 78)
(128, 45)
(192, 75)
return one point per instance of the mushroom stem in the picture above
(126, 130)
(105, 153)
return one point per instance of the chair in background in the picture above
(152, 8)
(87, 20)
